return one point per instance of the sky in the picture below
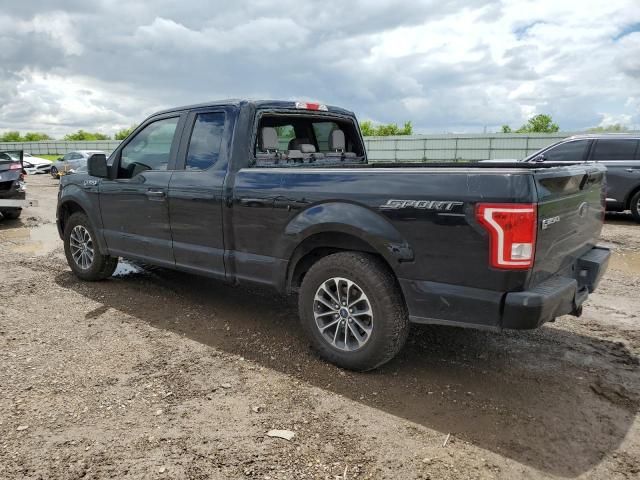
(454, 66)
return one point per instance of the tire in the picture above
(634, 206)
(12, 214)
(384, 332)
(54, 172)
(78, 232)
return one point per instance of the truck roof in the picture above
(262, 104)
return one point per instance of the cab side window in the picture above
(150, 149)
(567, 152)
(618, 149)
(206, 138)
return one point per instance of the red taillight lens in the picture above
(512, 233)
(15, 166)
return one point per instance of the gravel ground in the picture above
(156, 374)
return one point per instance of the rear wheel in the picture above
(635, 207)
(54, 172)
(352, 310)
(82, 253)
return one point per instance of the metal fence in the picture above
(456, 147)
(55, 147)
(406, 148)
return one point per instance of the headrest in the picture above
(268, 139)
(307, 148)
(336, 140)
(294, 143)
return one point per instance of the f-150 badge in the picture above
(437, 205)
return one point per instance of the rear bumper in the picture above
(556, 296)
(430, 302)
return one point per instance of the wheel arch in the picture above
(338, 226)
(70, 204)
(632, 193)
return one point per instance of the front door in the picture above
(196, 192)
(133, 202)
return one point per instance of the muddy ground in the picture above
(154, 374)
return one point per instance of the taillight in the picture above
(512, 233)
(15, 166)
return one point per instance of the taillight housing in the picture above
(311, 106)
(512, 233)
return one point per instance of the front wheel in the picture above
(54, 172)
(82, 253)
(635, 207)
(352, 310)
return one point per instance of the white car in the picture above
(71, 162)
(34, 165)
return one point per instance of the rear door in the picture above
(623, 170)
(196, 191)
(133, 202)
(570, 217)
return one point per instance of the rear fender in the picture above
(352, 219)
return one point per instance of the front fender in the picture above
(352, 219)
(73, 196)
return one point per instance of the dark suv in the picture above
(619, 152)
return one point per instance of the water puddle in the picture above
(126, 269)
(628, 262)
(39, 240)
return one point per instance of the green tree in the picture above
(124, 133)
(11, 136)
(368, 129)
(81, 135)
(616, 127)
(538, 124)
(36, 137)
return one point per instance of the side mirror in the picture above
(97, 165)
(540, 158)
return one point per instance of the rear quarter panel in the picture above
(275, 208)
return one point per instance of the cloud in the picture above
(446, 66)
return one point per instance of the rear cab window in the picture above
(306, 138)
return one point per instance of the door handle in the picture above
(156, 194)
(631, 170)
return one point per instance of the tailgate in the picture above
(571, 202)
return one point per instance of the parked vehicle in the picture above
(12, 185)
(71, 161)
(620, 153)
(280, 194)
(35, 165)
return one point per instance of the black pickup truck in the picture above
(280, 194)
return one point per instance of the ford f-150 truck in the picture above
(280, 194)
